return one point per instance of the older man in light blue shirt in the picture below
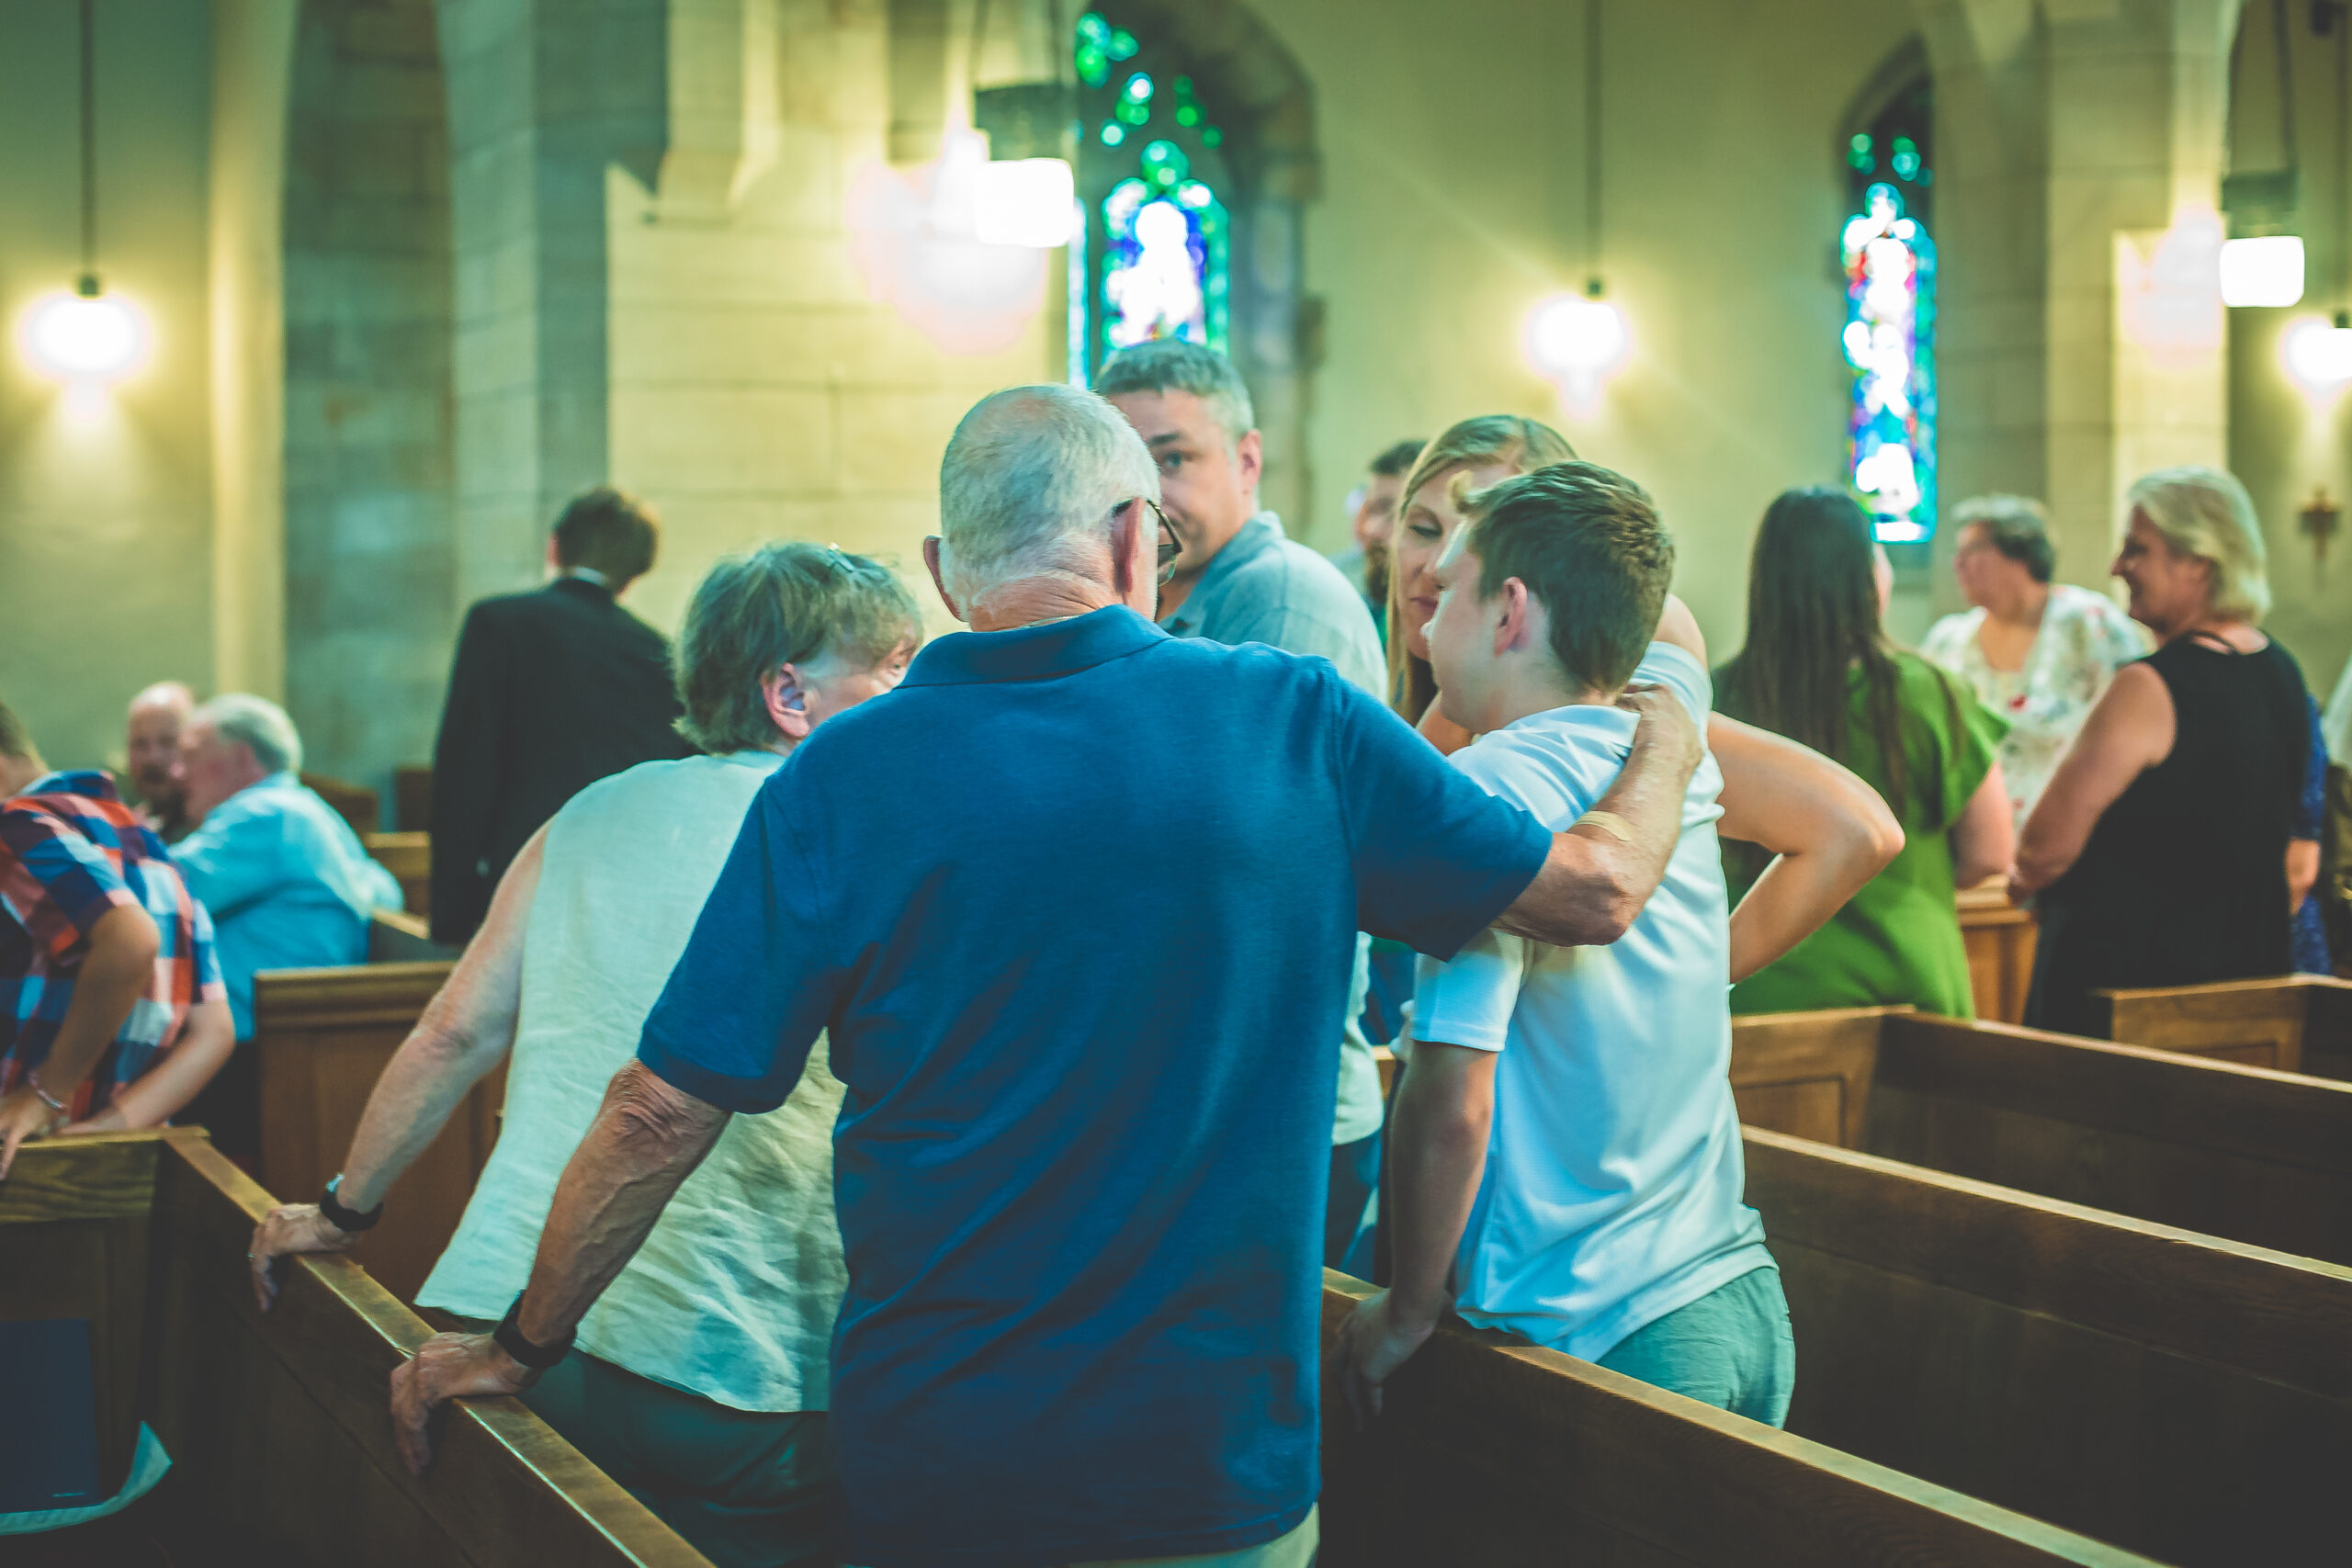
(1238, 579)
(285, 877)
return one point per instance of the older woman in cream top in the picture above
(2039, 653)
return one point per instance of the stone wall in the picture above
(370, 552)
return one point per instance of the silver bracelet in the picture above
(32, 1081)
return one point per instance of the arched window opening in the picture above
(1153, 255)
(1889, 339)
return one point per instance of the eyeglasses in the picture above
(1171, 546)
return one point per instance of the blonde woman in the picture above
(2158, 852)
(1470, 454)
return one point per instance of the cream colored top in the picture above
(733, 1295)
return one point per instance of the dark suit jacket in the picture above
(551, 691)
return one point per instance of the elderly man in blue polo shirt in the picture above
(1237, 579)
(1079, 940)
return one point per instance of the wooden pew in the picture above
(276, 1427)
(2175, 1394)
(2258, 1156)
(323, 1037)
(1496, 1456)
(1999, 937)
(2294, 1024)
(412, 797)
(355, 804)
(409, 857)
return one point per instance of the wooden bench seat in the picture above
(277, 1423)
(2258, 1156)
(2294, 1024)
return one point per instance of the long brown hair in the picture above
(1526, 444)
(1813, 617)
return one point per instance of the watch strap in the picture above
(509, 1336)
(331, 1208)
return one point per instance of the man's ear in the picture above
(939, 578)
(1135, 558)
(1249, 456)
(786, 700)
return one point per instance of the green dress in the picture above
(1897, 941)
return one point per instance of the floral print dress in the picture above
(2084, 639)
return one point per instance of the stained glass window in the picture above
(1154, 259)
(1889, 336)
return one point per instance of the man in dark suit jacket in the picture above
(551, 691)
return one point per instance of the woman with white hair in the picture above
(2158, 852)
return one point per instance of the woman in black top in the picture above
(2159, 850)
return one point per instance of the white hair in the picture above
(2206, 513)
(1028, 485)
(255, 722)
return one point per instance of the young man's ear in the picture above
(1511, 626)
(786, 699)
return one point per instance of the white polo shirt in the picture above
(1613, 1180)
(733, 1294)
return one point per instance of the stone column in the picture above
(2081, 340)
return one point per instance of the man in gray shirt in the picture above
(1238, 579)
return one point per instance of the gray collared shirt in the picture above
(1263, 587)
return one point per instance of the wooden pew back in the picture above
(1490, 1455)
(409, 857)
(277, 1423)
(2258, 1156)
(2186, 1396)
(2292, 1023)
(1999, 939)
(1807, 1074)
(323, 1037)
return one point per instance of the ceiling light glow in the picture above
(2262, 272)
(2318, 355)
(76, 337)
(1577, 338)
(1025, 201)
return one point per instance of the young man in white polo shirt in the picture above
(1566, 1156)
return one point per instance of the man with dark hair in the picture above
(1566, 1155)
(1373, 516)
(551, 691)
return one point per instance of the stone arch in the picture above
(369, 443)
(1250, 81)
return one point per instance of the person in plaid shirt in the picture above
(112, 1009)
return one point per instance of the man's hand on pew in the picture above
(446, 1366)
(1374, 1341)
(24, 1115)
(288, 1229)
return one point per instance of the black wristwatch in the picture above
(538, 1358)
(344, 1219)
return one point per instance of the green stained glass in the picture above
(1123, 45)
(1114, 133)
(1132, 112)
(1164, 164)
(1188, 114)
(1862, 142)
(1091, 53)
(1212, 137)
(1138, 88)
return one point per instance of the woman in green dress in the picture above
(1819, 668)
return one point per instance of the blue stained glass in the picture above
(1164, 271)
(1890, 346)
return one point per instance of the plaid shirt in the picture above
(70, 851)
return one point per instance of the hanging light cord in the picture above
(88, 282)
(1591, 144)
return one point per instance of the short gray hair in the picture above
(1171, 365)
(244, 719)
(2206, 513)
(1028, 485)
(783, 603)
(2016, 526)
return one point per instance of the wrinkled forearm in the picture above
(421, 1088)
(646, 1139)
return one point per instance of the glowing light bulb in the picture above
(1576, 338)
(2317, 355)
(77, 337)
(2266, 271)
(1025, 201)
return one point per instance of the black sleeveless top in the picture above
(2184, 880)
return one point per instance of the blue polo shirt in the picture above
(1075, 903)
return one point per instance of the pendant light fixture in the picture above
(2318, 354)
(2262, 262)
(1577, 340)
(87, 335)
